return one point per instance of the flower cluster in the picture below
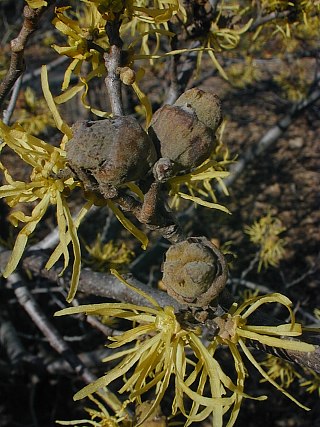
(103, 256)
(87, 41)
(197, 185)
(33, 115)
(45, 188)
(159, 348)
(101, 417)
(265, 234)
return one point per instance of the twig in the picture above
(99, 284)
(174, 90)
(250, 285)
(113, 63)
(214, 4)
(17, 64)
(13, 100)
(27, 301)
(299, 279)
(152, 212)
(108, 286)
(50, 66)
(269, 138)
(92, 360)
(11, 342)
(261, 20)
(253, 262)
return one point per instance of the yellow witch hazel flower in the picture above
(45, 188)
(197, 186)
(265, 233)
(159, 348)
(35, 4)
(86, 38)
(280, 369)
(108, 255)
(87, 41)
(101, 417)
(235, 330)
(312, 383)
(34, 116)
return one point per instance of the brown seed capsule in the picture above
(181, 137)
(194, 272)
(110, 152)
(206, 105)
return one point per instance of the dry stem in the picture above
(17, 64)
(113, 62)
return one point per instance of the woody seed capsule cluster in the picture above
(107, 153)
(185, 131)
(194, 272)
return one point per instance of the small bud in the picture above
(127, 75)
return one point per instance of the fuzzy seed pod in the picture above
(206, 105)
(194, 272)
(110, 152)
(181, 137)
(127, 75)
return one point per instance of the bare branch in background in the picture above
(56, 341)
(269, 138)
(17, 64)
(13, 100)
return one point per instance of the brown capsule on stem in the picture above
(181, 137)
(194, 272)
(206, 105)
(107, 153)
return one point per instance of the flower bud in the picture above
(127, 75)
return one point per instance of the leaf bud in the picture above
(127, 75)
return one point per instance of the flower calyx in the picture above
(194, 272)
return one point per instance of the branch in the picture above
(152, 212)
(56, 341)
(108, 286)
(50, 66)
(92, 360)
(261, 20)
(10, 340)
(17, 64)
(269, 138)
(113, 63)
(12, 103)
(95, 283)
